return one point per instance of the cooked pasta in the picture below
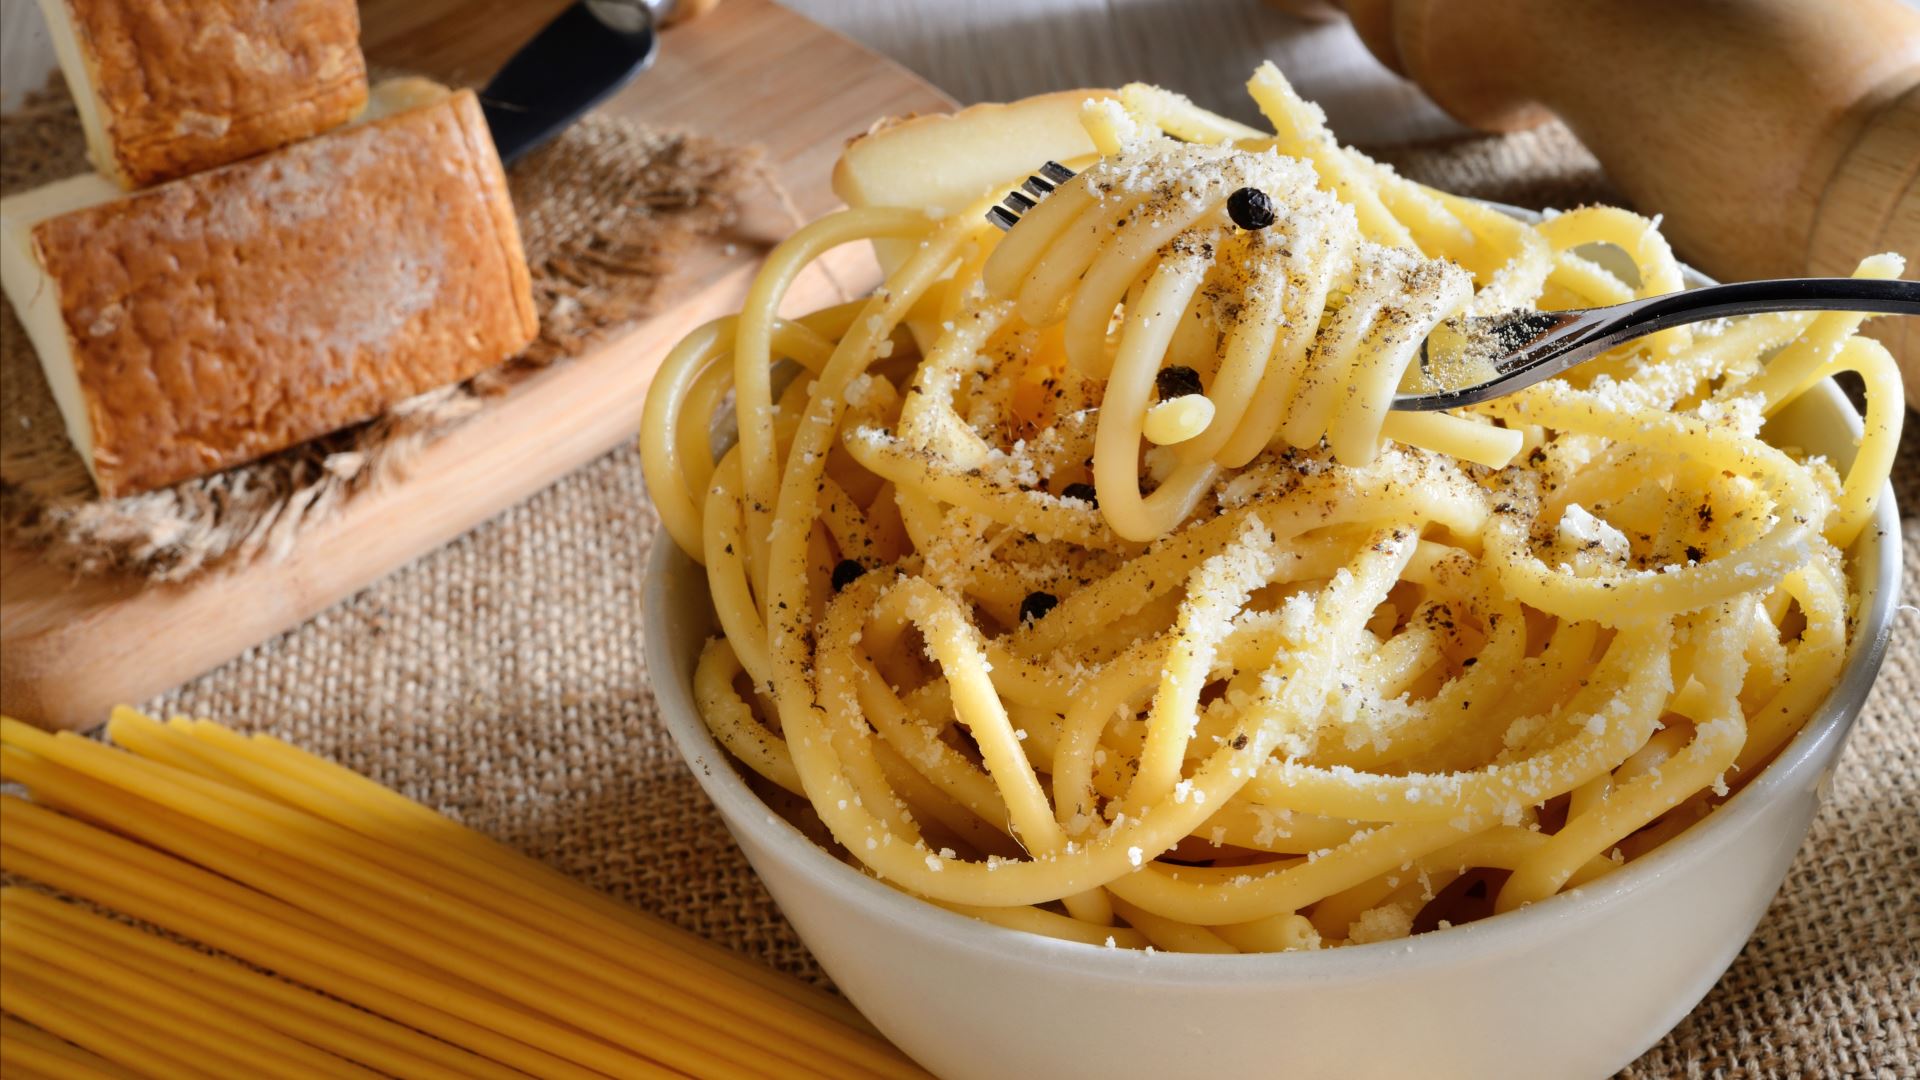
(1080, 579)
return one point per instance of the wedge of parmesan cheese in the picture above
(171, 87)
(210, 320)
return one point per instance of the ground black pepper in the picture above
(1084, 492)
(1178, 381)
(1036, 606)
(846, 572)
(1251, 209)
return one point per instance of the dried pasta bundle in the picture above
(404, 944)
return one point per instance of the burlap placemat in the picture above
(502, 679)
(603, 211)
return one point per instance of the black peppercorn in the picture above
(1084, 492)
(1176, 382)
(1251, 209)
(846, 572)
(1036, 606)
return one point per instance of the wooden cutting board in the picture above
(749, 72)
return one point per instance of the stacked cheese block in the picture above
(268, 252)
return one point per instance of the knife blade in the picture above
(578, 60)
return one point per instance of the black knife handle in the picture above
(575, 63)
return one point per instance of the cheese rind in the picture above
(36, 302)
(171, 87)
(210, 320)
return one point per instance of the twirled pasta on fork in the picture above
(1081, 579)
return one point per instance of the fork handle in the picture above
(1638, 318)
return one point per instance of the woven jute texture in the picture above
(502, 680)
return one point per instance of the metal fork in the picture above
(1533, 346)
(1007, 214)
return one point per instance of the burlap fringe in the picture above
(603, 211)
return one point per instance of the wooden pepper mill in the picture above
(1778, 137)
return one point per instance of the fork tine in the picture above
(1038, 187)
(1007, 214)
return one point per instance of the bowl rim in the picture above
(743, 811)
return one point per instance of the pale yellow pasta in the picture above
(1118, 605)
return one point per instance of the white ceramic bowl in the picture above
(1575, 986)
